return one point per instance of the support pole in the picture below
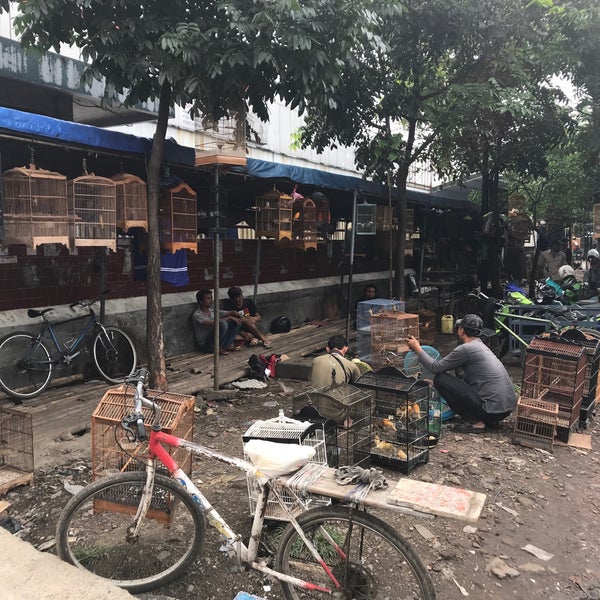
(216, 258)
(351, 267)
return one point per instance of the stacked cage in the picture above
(390, 330)
(345, 412)
(400, 437)
(555, 372)
(113, 452)
(289, 431)
(16, 449)
(535, 423)
(590, 383)
(364, 311)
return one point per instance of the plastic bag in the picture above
(272, 459)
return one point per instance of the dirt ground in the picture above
(547, 502)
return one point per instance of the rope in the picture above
(374, 478)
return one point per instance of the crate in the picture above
(555, 372)
(16, 449)
(400, 419)
(367, 308)
(390, 330)
(289, 431)
(535, 423)
(345, 412)
(107, 457)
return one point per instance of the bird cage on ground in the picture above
(390, 330)
(177, 218)
(400, 436)
(289, 431)
(16, 452)
(304, 225)
(555, 372)
(274, 212)
(535, 423)
(93, 207)
(34, 207)
(345, 412)
(132, 201)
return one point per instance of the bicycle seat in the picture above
(33, 313)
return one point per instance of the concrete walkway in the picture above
(27, 574)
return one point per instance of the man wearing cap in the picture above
(249, 315)
(485, 395)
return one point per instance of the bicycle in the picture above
(142, 529)
(27, 364)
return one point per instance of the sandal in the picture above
(468, 428)
(254, 342)
(267, 345)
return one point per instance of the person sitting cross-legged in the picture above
(249, 317)
(203, 322)
(485, 395)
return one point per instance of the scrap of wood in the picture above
(4, 506)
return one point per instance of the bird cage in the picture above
(400, 418)
(283, 430)
(16, 449)
(132, 201)
(365, 309)
(304, 227)
(34, 207)
(93, 207)
(178, 221)
(535, 423)
(274, 212)
(390, 330)
(366, 219)
(345, 412)
(596, 220)
(555, 372)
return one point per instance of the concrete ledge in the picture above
(28, 574)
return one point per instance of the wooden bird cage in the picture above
(132, 201)
(304, 227)
(274, 212)
(35, 207)
(178, 221)
(93, 206)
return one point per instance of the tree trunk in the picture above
(154, 327)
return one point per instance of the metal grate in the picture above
(16, 449)
(535, 423)
(108, 457)
(289, 431)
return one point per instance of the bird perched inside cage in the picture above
(385, 424)
(412, 411)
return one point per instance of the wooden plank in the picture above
(408, 495)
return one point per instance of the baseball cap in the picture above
(234, 291)
(472, 324)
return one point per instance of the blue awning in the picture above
(270, 170)
(37, 126)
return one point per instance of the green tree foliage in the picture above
(215, 57)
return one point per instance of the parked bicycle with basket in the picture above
(28, 362)
(142, 529)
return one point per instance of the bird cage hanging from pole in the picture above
(132, 201)
(274, 215)
(93, 206)
(34, 207)
(304, 228)
(178, 221)
(366, 219)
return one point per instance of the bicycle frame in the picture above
(71, 350)
(247, 555)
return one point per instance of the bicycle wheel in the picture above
(92, 531)
(25, 365)
(114, 354)
(370, 560)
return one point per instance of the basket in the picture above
(289, 431)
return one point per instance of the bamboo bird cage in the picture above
(274, 212)
(34, 207)
(178, 220)
(304, 226)
(132, 201)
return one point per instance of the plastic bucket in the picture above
(447, 323)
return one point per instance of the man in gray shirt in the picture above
(485, 395)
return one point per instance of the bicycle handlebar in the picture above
(139, 379)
